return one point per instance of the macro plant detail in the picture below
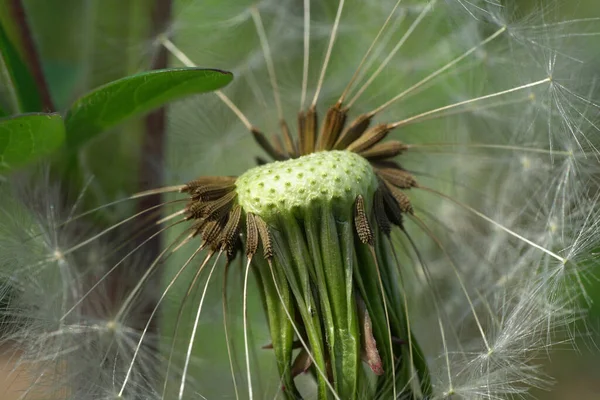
(307, 213)
(389, 201)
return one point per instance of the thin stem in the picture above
(226, 329)
(151, 169)
(111, 270)
(31, 55)
(264, 43)
(458, 277)
(245, 318)
(405, 305)
(371, 47)
(195, 329)
(178, 319)
(305, 62)
(494, 147)
(134, 292)
(497, 224)
(185, 60)
(159, 301)
(112, 227)
(332, 38)
(462, 103)
(298, 334)
(400, 43)
(387, 320)
(439, 71)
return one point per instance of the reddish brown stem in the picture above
(153, 142)
(30, 53)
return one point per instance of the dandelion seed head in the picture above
(319, 177)
(492, 215)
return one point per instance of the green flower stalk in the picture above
(323, 221)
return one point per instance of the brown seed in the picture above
(369, 138)
(335, 119)
(260, 161)
(288, 142)
(301, 132)
(361, 222)
(402, 199)
(380, 214)
(266, 145)
(265, 237)
(310, 131)
(397, 177)
(231, 230)
(208, 180)
(211, 191)
(217, 208)
(278, 145)
(251, 235)
(392, 208)
(384, 150)
(211, 232)
(353, 131)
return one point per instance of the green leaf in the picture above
(21, 86)
(29, 137)
(124, 98)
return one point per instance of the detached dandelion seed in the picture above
(419, 223)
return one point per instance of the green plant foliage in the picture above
(124, 98)
(29, 137)
(20, 84)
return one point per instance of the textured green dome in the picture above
(288, 186)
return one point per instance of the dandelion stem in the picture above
(298, 334)
(151, 168)
(31, 55)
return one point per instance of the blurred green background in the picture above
(86, 43)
